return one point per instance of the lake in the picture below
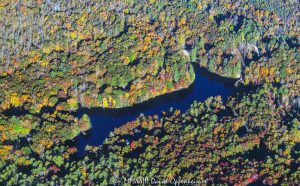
(105, 120)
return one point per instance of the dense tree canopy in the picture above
(59, 56)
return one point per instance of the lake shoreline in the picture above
(181, 99)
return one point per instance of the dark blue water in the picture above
(105, 120)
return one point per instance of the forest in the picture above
(57, 57)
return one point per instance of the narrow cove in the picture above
(104, 121)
